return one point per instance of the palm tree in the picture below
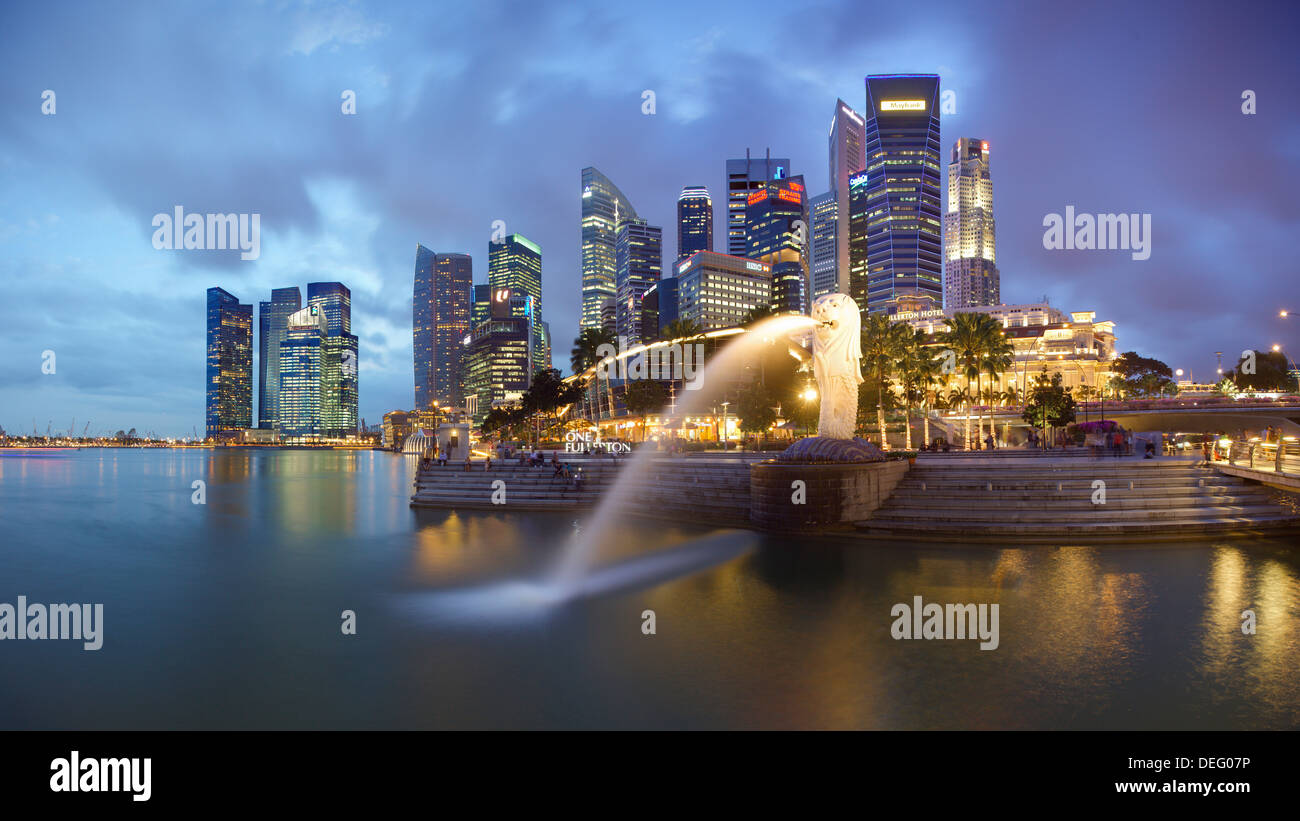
(884, 343)
(584, 355)
(965, 337)
(918, 370)
(996, 356)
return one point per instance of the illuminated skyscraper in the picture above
(847, 157)
(744, 177)
(335, 300)
(515, 264)
(970, 271)
(603, 205)
(273, 318)
(694, 221)
(776, 222)
(639, 264)
(302, 355)
(338, 388)
(498, 356)
(440, 318)
(895, 233)
(230, 363)
(824, 210)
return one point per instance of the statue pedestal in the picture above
(821, 484)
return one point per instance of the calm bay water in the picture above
(227, 615)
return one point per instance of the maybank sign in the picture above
(902, 105)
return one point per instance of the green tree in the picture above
(755, 408)
(1142, 376)
(884, 343)
(966, 338)
(918, 371)
(681, 329)
(1050, 405)
(1270, 373)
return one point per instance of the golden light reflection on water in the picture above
(1260, 668)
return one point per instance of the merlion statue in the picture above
(837, 363)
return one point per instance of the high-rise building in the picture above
(482, 305)
(658, 308)
(609, 316)
(440, 318)
(603, 205)
(970, 271)
(498, 357)
(639, 264)
(776, 223)
(824, 209)
(336, 302)
(230, 363)
(847, 157)
(694, 221)
(302, 373)
(338, 361)
(515, 264)
(717, 291)
(273, 318)
(744, 178)
(895, 233)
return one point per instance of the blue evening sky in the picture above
(473, 112)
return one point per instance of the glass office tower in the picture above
(603, 205)
(639, 262)
(744, 177)
(694, 221)
(230, 363)
(776, 222)
(895, 233)
(302, 375)
(824, 209)
(441, 312)
(273, 318)
(515, 264)
(847, 157)
(336, 301)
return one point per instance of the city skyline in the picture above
(345, 197)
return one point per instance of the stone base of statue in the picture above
(820, 484)
(825, 450)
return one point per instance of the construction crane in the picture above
(85, 430)
(48, 424)
(72, 427)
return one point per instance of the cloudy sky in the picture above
(468, 113)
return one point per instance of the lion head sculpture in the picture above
(837, 363)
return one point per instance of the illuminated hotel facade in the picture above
(229, 386)
(895, 232)
(970, 271)
(717, 290)
(1045, 341)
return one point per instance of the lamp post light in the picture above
(724, 426)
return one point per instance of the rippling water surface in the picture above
(227, 615)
